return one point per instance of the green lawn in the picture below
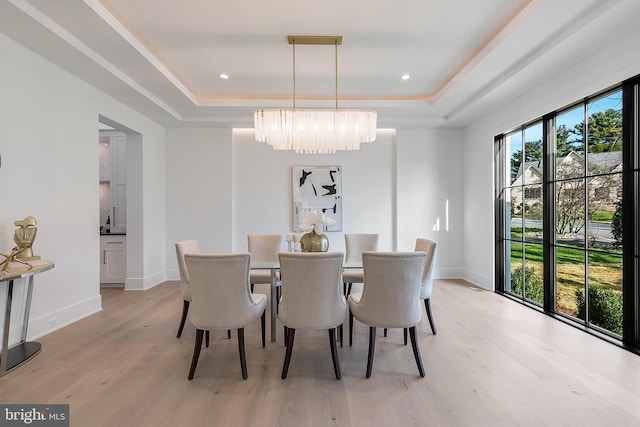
(604, 267)
(565, 255)
(601, 216)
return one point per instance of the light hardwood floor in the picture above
(493, 363)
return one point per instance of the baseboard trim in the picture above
(51, 322)
(142, 284)
(478, 280)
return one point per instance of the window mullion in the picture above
(630, 204)
(548, 210)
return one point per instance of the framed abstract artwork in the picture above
(317, 188)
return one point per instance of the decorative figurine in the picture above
(24, 237)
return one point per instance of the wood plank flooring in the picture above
(493, 363)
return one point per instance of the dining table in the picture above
(274, 266)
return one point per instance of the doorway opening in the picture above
(120, 218)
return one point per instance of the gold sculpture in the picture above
(24, 237)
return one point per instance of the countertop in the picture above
(102, 233)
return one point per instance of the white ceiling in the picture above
(163, 57)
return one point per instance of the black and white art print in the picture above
(318, 188)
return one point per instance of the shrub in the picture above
(616, 225)
(605, 308)
(533, 284)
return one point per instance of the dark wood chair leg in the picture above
(372, 349)
(243, 356)
(349, 289)
(291, 333)
(341, 332)
(334, 353)
(196, 353)
(405, 336)
(416, 349)
(286, 336)
(427, 306)
(183, 318)
(228, 334)
(350, 329)
(385, 332)
(206, 339)
(251, 287)
(262, 318)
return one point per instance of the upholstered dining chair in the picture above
(221, 299)
(263, 247)
(390, 297)
(185, 247)
(312, 298)
(355, 244)
(429, 247)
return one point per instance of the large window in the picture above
(588, 191)
(565, 186)
(524, 211)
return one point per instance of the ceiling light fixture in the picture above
(405, 77)
(224, 76)
(315, 131)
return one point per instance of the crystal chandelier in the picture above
(315, 131)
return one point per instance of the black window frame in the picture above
(630, 213)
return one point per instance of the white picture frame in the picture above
(317, 188)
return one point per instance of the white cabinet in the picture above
(113, 263)
(104, 155)
(112, 150)
(118, 184)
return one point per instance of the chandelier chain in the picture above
(336, 45)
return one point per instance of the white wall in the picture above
(221, 187)
(262, 190)
(198, 189)
(50, 171)
(429, 191)
(608, 63)
(146, 238)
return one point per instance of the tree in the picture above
(565, 143)
(604, 131)
(570, 206)
(604, 135)
(532, 152)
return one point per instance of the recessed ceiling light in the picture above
(224, 76)
(405, 77)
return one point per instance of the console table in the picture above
(14, 356)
